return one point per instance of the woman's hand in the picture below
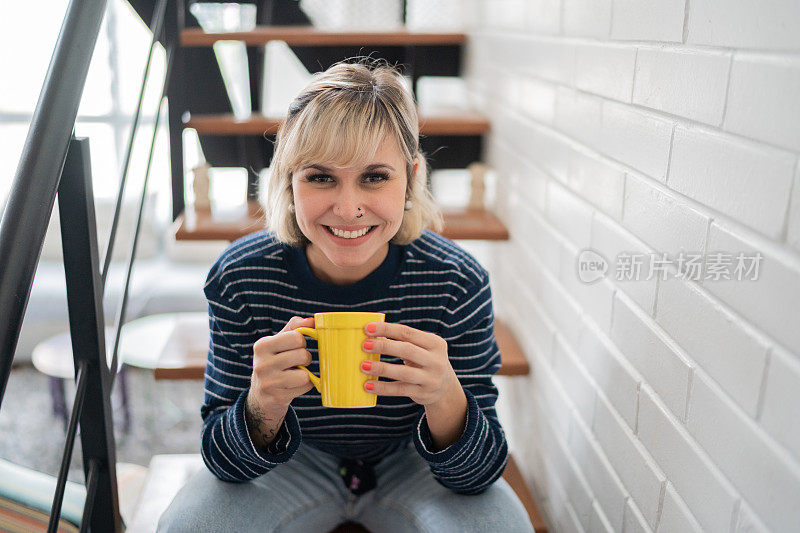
(276, 381)
(427, 377)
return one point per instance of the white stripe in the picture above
(214, 440)
(228, 445)
(471, 344)
(249, 367)
(216, 318)
(222, 347)
(330, 418)
(227, 332)
(367, 304)
(407, 285)
(250, 268)
(468, 357)
(229, 309)
(217, 396)
(429, 272)
(218, 369)
(460, 255)
(209, 378)
(321, 408)
(472, 299)
(346, 436)
(265, 281)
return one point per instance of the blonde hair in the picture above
(341, 116)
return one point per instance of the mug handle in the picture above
(311, 332)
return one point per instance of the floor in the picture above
(165, 418)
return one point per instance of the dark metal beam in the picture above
(87, 330)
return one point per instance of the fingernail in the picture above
(368, 345)
(366, 365)
(372, 328)
(370, 386)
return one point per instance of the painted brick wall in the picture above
(643, 127)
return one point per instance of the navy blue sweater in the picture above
(432, 284)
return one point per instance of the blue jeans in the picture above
(307, 495)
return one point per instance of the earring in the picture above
(291, 208)
(409, 205)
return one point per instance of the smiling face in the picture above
(334, 207)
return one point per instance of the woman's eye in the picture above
(369, 178)
(318, 178)
(376, 178)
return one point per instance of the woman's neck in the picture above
(328, 272)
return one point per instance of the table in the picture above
(53, 357)
(174, 345)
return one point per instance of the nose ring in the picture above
(359, 215)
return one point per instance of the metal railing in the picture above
(54, 161)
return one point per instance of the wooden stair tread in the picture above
(513, 358)
(311, 36)
(441, 122)
(192, 225)
(191, 364)
(168, 473)
(462, 223)
(514, 478)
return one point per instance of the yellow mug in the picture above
(340, 338)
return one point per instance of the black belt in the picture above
(358, 476)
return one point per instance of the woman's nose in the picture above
(347, 206)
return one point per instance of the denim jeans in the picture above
(307, 495)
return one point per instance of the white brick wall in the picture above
(640, 127)
(744, 180)
(762, 100)
(763, 24)
(606, 70)
(587, 18)
(648, 20)
(690, 84)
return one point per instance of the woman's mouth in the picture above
(350, 236)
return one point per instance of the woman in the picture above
(348, 207)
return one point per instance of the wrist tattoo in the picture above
(262, 425)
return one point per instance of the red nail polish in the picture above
(370, 386)
(366, 365)
(372, 328)
(368, 345)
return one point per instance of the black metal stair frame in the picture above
(53, 160)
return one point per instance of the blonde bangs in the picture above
(341, 133)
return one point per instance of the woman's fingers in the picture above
(394, 388)
(403, 333)
(409, 353)
(397, 372)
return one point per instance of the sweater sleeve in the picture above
(479, 456)
(226, 446)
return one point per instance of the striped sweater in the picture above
(432, 284)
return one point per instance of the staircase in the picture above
(453, 138)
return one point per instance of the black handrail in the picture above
(39, 177)
(33, 192)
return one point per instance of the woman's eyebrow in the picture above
(373, 166)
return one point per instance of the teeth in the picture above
(348, 234)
